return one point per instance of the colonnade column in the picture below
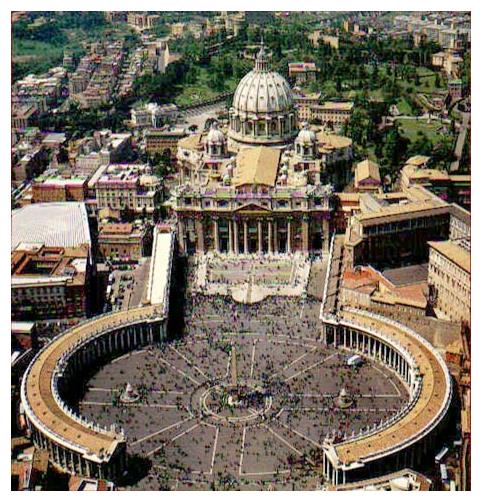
(260, 237)
(270, 237)
(181, 236)
(275, 243)
(230, 236)
(236, 242)
(326, 235)
(288, 240)
(305, 234)
(199, 236)
(216, 236)
(245, 236)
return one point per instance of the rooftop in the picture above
(335, 105)
(159, 274)
(427, 408)
(63, 224)
(367, 169)
(453, 252)
(257, 166)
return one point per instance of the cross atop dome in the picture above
(261, 63)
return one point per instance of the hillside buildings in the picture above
(141, 21)
(153, 115)
(330, 113)
(302, 72)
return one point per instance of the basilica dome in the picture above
(263, 111)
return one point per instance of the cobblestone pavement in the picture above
(204, 425)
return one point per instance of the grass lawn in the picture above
(34, 49)
(434, 131)
(190, 93)
(404, 106)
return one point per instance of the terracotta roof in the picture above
(192, 142)
(404, 211)
(257, 166)
(367, 170)
(427, 408)
(116, 228)
(38, 385)
(418, 160)
(334, 141)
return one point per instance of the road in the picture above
(198, 116)
(454, 166)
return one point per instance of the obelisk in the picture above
(234, 367)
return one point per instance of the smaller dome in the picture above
(306, 136)
(215, 135)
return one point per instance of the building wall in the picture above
(452, 285)
(118, 248)
(49, 302)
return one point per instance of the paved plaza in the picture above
(243, 400)
(252, 278)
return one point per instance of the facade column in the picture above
(216, 236)
(245, 236)
(199, 236)
(326, 235)
(305, 234)
(275, 235)
(230, 236)
(260, 237)
(270, 237)
(288, 241)
(236, 236)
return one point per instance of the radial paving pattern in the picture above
(201, 421)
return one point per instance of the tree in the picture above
(394, 149)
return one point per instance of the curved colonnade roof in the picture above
(436, 386)
(37, 384)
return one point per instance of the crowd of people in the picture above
(290, 365)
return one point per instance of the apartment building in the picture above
(49, 282)
(130, 187)
(449, 275)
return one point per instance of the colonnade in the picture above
(410, 457)
(381, 347)
(76, 463)
(100, 347)
(375, 348)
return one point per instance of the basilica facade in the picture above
(261, 186)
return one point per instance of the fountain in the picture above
(129, 395)
(343, 400)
